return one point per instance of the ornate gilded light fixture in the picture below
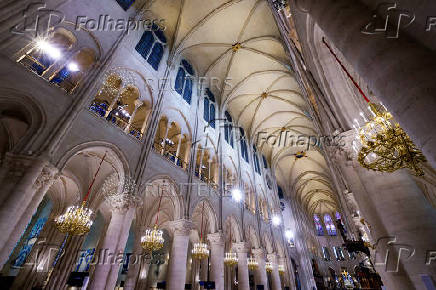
(281, 269)
(269, 267)
(230, 258)
(385, 146)
(153, 239)
(252, 263)
(77, 220)
(200, 250)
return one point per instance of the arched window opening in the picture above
(70, 75)
(329, 225)
(244, 149)
(265, 162)
(326, 254)
(318, 225)
(151, 46)
(209, 108)
(125, 4)
(256, 161)
(206, 166)
(184, 81)
(280, 192)
(171, 143)
(228, 129)
(122, 106)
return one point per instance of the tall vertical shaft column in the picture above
(217, 259)
(260, 276)
(276, 284)
(243, 280)
(176, 275)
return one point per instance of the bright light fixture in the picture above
(72, 66)
(276, 220)
(47, 48)
(236, 194)
(289, 234)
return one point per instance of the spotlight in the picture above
(47, 48)
(289, 234)
(236, 194)
(72, 66)
(276, 220)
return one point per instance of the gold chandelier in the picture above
(230, 259)
(252, 263)
(281, 269)
(77, 220)
(269, 267)
(385, 145)
(152, 240)
(200, 250)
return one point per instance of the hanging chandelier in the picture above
(77, 220)
(252, 263)
(200, 250)
(153, 239)
(281, 269)
(385, 146)
(230, 259)
(269, 267)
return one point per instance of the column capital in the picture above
(216, 238)
(259, 253)
(272, 258)
(122, 202)
(181, 227)
(241, 247)
(47, 176)
(17, 165)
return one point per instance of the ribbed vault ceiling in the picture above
(239, 41)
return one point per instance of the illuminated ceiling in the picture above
(239, 41)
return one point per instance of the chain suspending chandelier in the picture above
(153, 239)
(385, 146)
(200, 250)
(230, 258)
(77, 220)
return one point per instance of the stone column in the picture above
(406, 87)
(260, 276)
(276, 284)
(243, 280)
(217, 259)
(106, 274)
(176, 276)
(21, 191)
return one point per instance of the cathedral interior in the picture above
(217, 144)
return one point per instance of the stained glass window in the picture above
(244, 149)
(209, 108)
(125, 4)
(151, 46)
(85, 260)
(228, 129)
(280, 192)
(256, 161)
(183, 83)
(318, 225)
(329, 225)
(326, 253)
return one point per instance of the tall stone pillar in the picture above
(22, 190)
(134, 272)
(243, 280)
(406, 87)
(276, 284)
(106, 271)
(260, 276)
(176, 276)
(217, 259)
